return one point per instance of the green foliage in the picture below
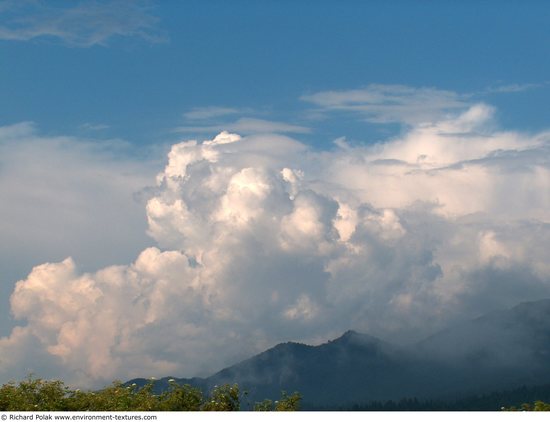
(41, 395)
(264, 406)
(284, 404)
(541, 406)
(33, 394)
(180, 397)
(538, 406)
(224, 398)
(288, 403)
(116, 397)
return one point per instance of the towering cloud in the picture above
(262, 239)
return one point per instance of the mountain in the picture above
(331, 372)
(501, 350)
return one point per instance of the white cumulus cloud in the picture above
(260, 239)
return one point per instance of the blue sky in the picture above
(259, 58)
(385, 169)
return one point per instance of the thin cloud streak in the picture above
(205, 113)
(246, 126)
(94, 126)
(512, 88)
(390, 103)
(82, 24)
(382, 104)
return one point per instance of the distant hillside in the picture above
(501, 350)
(490, 401)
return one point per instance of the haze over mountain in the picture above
(498, 351)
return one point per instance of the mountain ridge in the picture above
(499, 350)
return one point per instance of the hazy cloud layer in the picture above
(78, 24)
(66, 196)
(261, 239)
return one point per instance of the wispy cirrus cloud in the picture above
(205, 113)
(512, 88)
(94, 126)
(246, 125)
(379, 103)
(79, 24)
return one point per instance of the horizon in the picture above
(183, 186)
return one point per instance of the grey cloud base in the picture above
(262, 240)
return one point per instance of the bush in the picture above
(33, 394)
(538, 406)
(286, 403)
(41, 395)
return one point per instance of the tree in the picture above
(41, 395)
